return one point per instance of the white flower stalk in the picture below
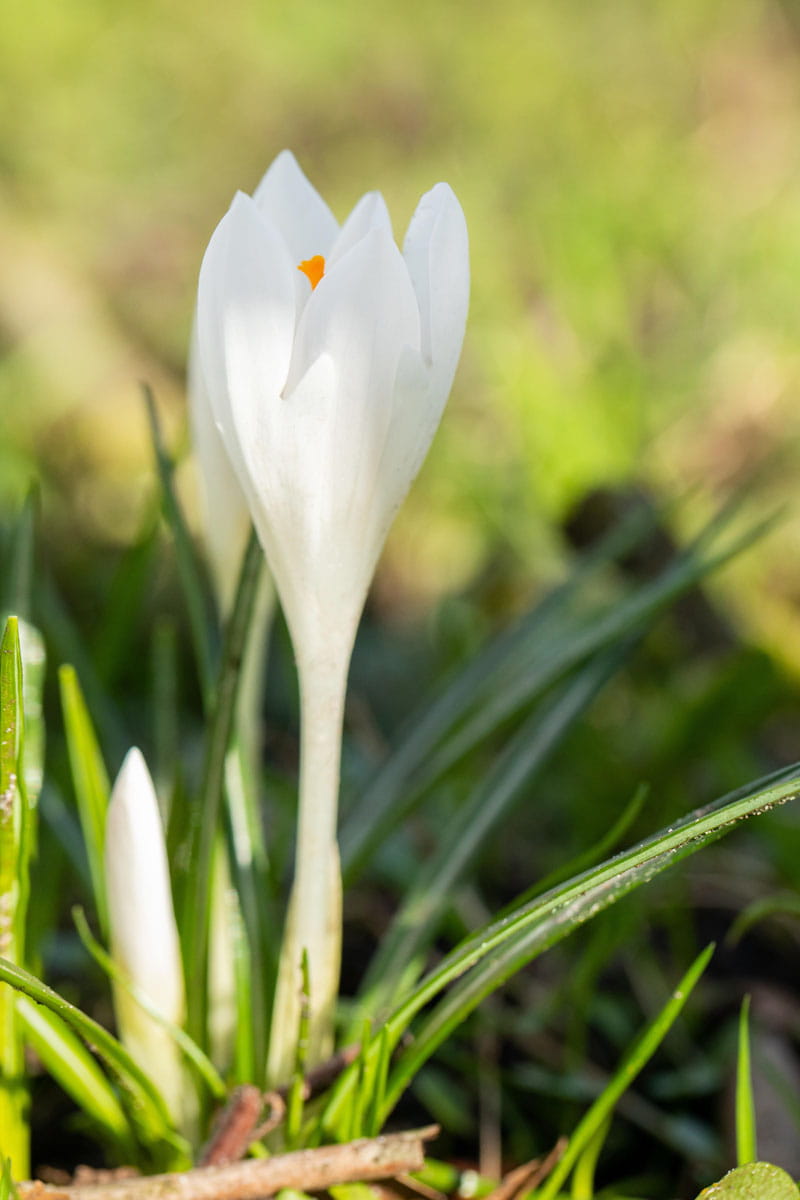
(144, 935)
(327, 356)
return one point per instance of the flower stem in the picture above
(314, 918)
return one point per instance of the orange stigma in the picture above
(313, 269)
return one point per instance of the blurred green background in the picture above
(631, 178)
(630, 174)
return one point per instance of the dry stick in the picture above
(239, 1123)
(524, 1179)
(305, 1170)
(318, 1078)
(234, 1127)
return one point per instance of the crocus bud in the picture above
(144, 935)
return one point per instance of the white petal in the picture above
(226, 515)
(142, 919)
(245, 328)
(296, 208)
(294, 519)
(295, 477)
(370, 213)
(362, 313)
(436, 250)
(415, 418)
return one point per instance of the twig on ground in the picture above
(382, 1157)
(234, 1127)
(527, 1177)
(325, 1074)
(239, 1123)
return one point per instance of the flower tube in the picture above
(327, 356)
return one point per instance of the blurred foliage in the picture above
(630, 177)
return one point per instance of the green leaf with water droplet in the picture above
(754, 1181)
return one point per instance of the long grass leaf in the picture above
(113, 640)
(582, 862)
(13, 819)
(746, 1149)
(65, 1057)
(144, 1103)
(250, 874)
(67, 645)
(587, 636)
(511, 674)
(90, 781)
(418, 919)
(165, 721)
(464, 690)
(487, 958)
(204, 1067)
(206, 812)
(554, 916)
(583, 1174)
(196, 592)
(636, 1058)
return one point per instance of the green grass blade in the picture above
(746, 1148)
(486, 959)
(196, 590)
(65, 1057)
(65, 827)
(31, 774)
(588, 635)
(114, 638)
(144, 1104)
(377, 1083)
(582, 862)
(503, 951)
(91, 783)
(586, 1162)
(418, 919)
(636, 1058)
(206, 813)
(513, 674)
(67, 645)
(165, 721)
(249, 869)
(465, 690)
(204, 1067)
(14, 818)
(246, 1067)
(785, 904)
(8, 1190)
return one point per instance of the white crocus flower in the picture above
(327, 356)
(144, 935)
